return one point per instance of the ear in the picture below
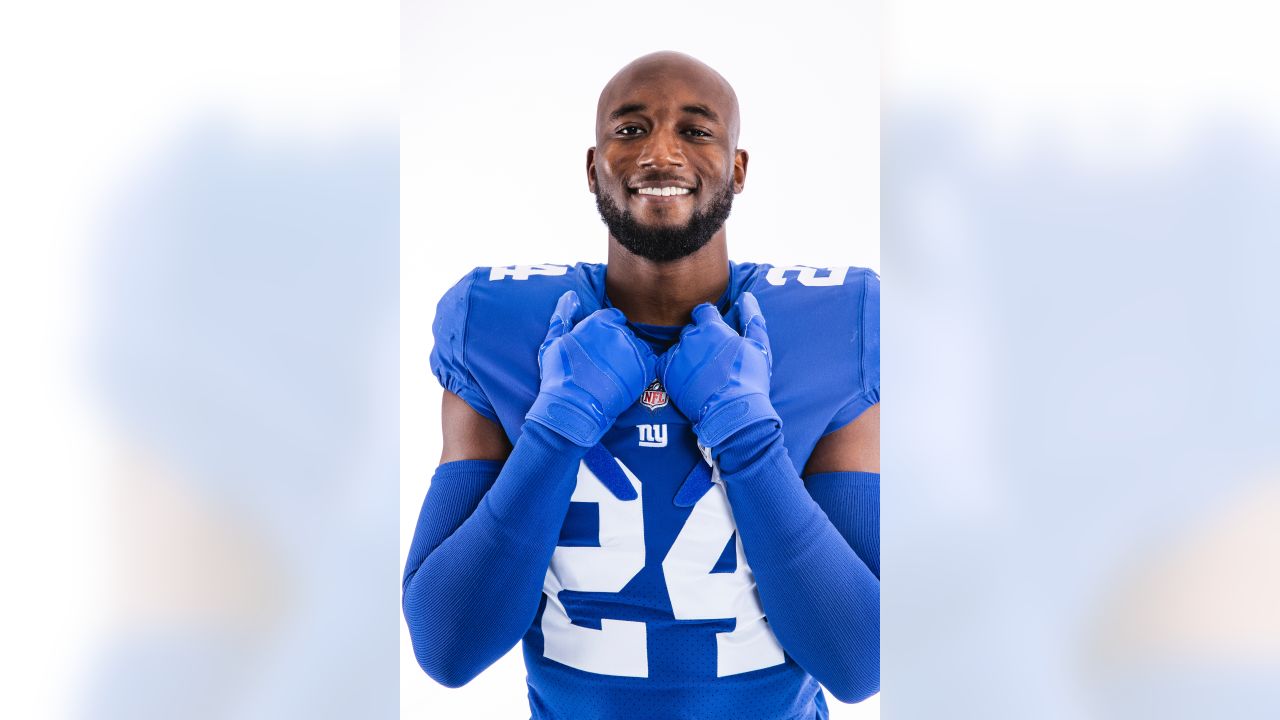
(591, 169)
(739, 170)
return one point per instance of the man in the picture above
(620, 486)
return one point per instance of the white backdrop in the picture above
(498, 109)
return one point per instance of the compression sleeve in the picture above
(821, 599)
(851, 500)
(473, 580)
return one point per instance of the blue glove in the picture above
(717, 377)
(591, 371)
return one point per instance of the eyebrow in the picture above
(702, 110)
(629, 108)
(626, 110)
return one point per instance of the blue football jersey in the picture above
(649, 607)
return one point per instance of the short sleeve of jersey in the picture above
(449, 356)
(868, 349)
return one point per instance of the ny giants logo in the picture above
(653, 435)
(654, 396)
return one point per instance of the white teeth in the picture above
(664, 191)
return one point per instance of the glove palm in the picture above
(591, 371)
(718, 377)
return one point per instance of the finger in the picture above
(753, 325)
(705, 314)
(648, 359)
(664, 363)
(751, 320)
(565, 315)
(645, 358)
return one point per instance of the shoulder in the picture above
(490, 291)
(489, 324)
(509, 302)
(528, 288)
(803, 294)
(798, 277)
(824, 326)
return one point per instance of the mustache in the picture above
(660, 178)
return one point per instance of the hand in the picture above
(591, 371)
(717, 377)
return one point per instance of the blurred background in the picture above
(202, 302)
(1081, 505)
(200, 285)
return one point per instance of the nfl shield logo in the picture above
(654, 396)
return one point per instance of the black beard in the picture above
(664, 244)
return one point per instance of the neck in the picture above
(666, 293)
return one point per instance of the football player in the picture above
(660, 473)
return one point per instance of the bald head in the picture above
(670, 74)
(666, 163)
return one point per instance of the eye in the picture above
(630, 130)
(698, 132)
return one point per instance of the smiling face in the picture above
(666, 165)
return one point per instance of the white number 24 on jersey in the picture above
(619, 647)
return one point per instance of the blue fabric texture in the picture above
(865, 342)
(852, 501)
(590, 370)
(719, 375)
(521, 552)
(602, 465)
(481, 548)
(822, 600)
(449, 354)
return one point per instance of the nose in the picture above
(661, 150)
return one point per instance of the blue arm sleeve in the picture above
(473, 579)
(821, 599)
(851, 500)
